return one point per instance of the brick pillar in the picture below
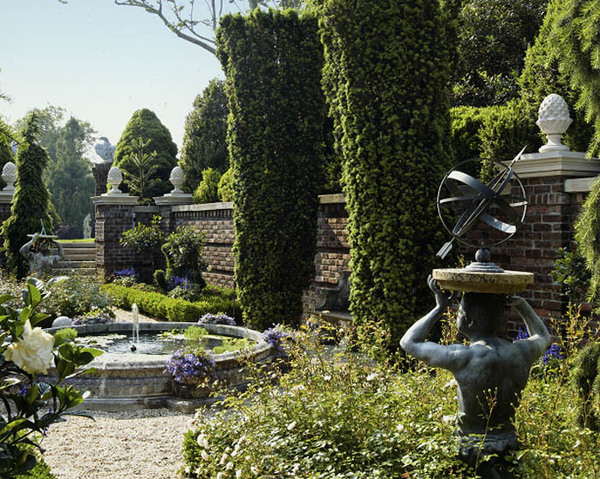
(114, 215)
(551, 213)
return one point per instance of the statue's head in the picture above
(481, 314)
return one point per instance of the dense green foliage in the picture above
(272, 61)
(145, 124)
(28, 352)
(208, 189)
(225, 186)
(204, 140)
(143, 238)
(587, 235)
(493, 38)
(586, 383)
(340, 415)
(31, 200)
(74, 296)
(183, 250)
(575, 38)
(171, 309)
(386, 75)
(69, 178)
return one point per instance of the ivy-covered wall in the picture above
(272, 62)
(386, 73)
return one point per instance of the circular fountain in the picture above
(135, 380)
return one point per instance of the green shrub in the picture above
(143, 238)
(162, 307)
(75, 295)
(225, 187)
(207, 191)
(272, 62)
(64, 335)
(587, 232)
(194, 332)
(586, 383)
(466, 124)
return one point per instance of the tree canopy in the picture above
(204, 140)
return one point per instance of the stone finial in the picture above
(9, 175)
(105, 150)
(177, 178)
(553, 120)
(114, 179)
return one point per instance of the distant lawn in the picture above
(89, 240)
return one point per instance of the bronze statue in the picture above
(491, 372)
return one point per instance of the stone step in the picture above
(70, 271)
(80, 256)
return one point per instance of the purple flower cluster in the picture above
(219, 318)
(183, 283)
(553, 352)
(276, 337)
(188, 366)
(126, 273)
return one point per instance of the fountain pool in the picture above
(134, 380)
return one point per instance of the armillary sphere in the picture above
(465, 202)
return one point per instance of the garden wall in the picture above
(556, 184)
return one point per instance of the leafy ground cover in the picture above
(338, 414)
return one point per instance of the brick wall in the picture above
(548, 227)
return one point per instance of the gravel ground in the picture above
(143, 444)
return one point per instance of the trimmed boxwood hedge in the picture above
(171, 309)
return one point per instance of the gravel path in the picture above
(143, 444)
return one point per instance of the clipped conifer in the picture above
(145, 124)
(204, 140)
(386, 73)
(31, 200)
(272, 61)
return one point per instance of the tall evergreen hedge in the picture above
(272, 61)
(145, 124)
(31, 201)
(386, 74)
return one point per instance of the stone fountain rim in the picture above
(460, 279)
(126, 361)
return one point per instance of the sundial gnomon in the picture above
(491, 211)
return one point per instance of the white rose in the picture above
(32, 353)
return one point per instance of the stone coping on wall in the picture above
(579, 185)
(146, 209)
(556, 163)
(228, 205)
(115, 199)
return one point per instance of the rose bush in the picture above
(31, 405)
(33, 352)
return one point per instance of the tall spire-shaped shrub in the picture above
(386, 73)
(31, 200)
(272, 61)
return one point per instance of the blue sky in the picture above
(99, 61)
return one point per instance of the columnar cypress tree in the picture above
(386, 79)
(272, 62)
(31, 199)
